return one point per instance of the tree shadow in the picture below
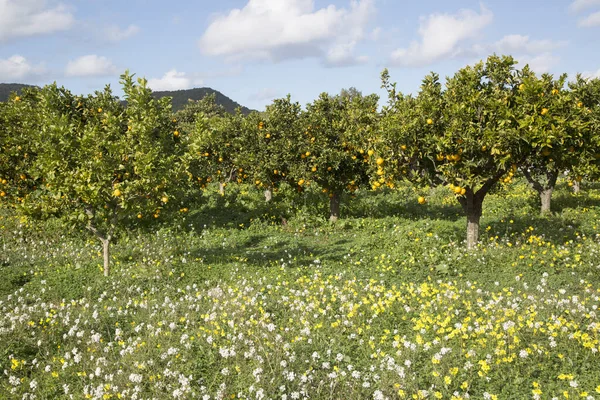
(563, 200)
(259, 249)
(239, 210)
(554, 228)
(230, 211)
(386, 204)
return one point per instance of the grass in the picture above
(240, 299)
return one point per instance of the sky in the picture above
(254, 51)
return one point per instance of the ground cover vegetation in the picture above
(304, 253)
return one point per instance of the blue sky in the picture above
(257, 50)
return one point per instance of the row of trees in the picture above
(102, 163)
(489, 121)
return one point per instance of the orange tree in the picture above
(586, 96)
(19, 120)
(272, 142)
(104, 164)
(555, 130)
(333, 152)
(463, 136)
(214, 150)
(195, 109)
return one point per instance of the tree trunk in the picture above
(221, 188)
(106, 251)
(546, 198)
(473, 206)
(334, 207)
(105, 238)
(576, 187)
(268, 194)
(472, 230)
(545, 191)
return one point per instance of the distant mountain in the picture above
(7, 88)
(181, 97)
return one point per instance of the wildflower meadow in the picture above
(386, 304)
(443, 245)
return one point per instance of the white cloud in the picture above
(283, 29)
(541, 63)
(591, 75)
(17, 68)
(20, 18)
(536, 53)
(231, 71)
(342, 54)
(511, 44)
(580, 5)
(375, 33)
(264, 94)
(441, 35)
(90, 65)
(173, 80)
(590, 21)
(115, 34)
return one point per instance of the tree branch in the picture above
(233, 169)
(90, 225)
(552, 176)
(535, 184)
(485, 188)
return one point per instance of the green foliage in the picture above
(18, 123)
(207, 106)
(214, 148)
(553, 127)
(334, 150)
(586, 92)
(103, 164)
(464, 135)
(272, 141)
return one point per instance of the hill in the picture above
(7, 88)
(181, 97)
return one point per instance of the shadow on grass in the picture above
(554, 228)
(562, 201)
(239, 209)
(258, 249)
(235, 210)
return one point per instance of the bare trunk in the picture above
(221, 188)
(268, 194)
(472, 205)
(106, 252)
(334, 207)
(472, 230)
(576, 187)
(546, 198)
(105, 238)
(544, 190)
